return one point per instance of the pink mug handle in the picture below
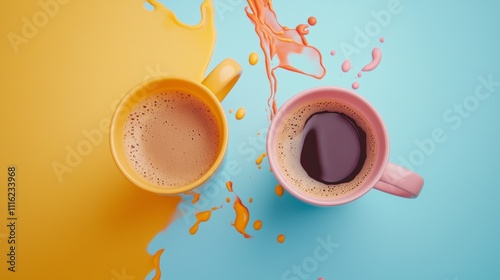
(400, 181)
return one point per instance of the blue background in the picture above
(433, 56)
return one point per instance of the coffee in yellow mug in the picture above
(170, 134)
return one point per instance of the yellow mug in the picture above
(211, 91)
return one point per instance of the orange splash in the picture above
(312, 21)
(257, 225)
(279, 190)
(281, 42)
(200, 217)
(228, 199)
(250, 200)
(230, 111)
(253, 58)
(240, 114)
(229, 186)
(260, 158)
(156, 264)
(259, 167)
(242, 217)
(281, 238)
(196, 197)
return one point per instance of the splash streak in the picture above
(200, 217)
(229, 186)
(242, 214)
(242, 217)
(376, 58)
(196, 197)
(281, 42)
(260, 158)
(156, 264)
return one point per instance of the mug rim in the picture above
(379, 165)
(148, 186)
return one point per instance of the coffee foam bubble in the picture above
(171, 138)
(289, 145)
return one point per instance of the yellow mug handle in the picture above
(222, 78)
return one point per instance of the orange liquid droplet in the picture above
(278, 43)
(250, 200)
(240, 114)
(242, 217)
(253, 58)
(281, 238)
(196, 197)
(260, 158)
(279, 190)
(257, 225)
(228, 199)
(156, 264)
(259, 167)
(312, 21)
(230, 111)
(200, 217)
(258, 133)
(229, 186)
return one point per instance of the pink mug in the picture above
(384, 176)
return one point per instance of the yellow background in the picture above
(58, 94)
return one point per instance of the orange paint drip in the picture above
(257, 225)
(229, 186)
(200, 217)
(196, 197)
(260, 158)
(156, 264)
(280, 42)
(242, 217)
(281, 238)
(279, 190)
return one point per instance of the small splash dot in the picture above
(281, 238)
(240, 114)
(257, 225)
(279, 190)
(355, 85)
(382, 40)
(253, 58)
(312, 21)
(332, 53)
